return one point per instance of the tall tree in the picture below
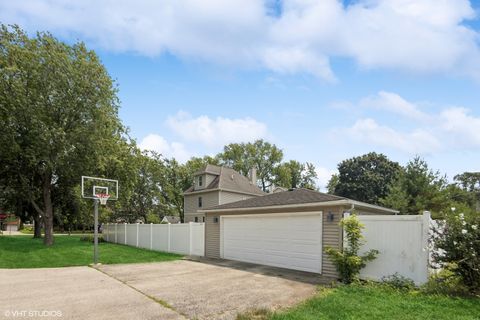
(261, 155)
(58, 113)
(366, 178)
(294, 174)
(418, 188)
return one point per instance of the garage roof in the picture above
(291, 197)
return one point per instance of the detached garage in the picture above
(287, 229)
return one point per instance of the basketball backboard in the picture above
(93, 186)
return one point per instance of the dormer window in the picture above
(200, 181)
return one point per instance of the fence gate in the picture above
(403, 244)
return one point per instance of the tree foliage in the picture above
(366, 178)
(58, 113)
(262, 155)
(417, 188)
(294, 174)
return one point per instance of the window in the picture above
(215, 219)
(199, 202)
(203, 219)
(196, 219)
(200, 181)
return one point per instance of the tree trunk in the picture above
(37, 226)
(48, 210)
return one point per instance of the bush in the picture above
(90, 238)
(456, 243)
(397, 281)
(446, 282)
(347, 261)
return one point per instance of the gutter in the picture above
(353, 203)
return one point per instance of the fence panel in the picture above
(144, 236)
(197, 241)
(180, 238)
(186, 238)
(402, 243)
(121, 233)
(132, 235)
(160, 237)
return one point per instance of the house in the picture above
(217, 185)
(288, 229)
(170, 219)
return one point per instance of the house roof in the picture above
(171, 219)
(295, 197)
(227, 179)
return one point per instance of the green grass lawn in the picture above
(25, 252)
(374, 302)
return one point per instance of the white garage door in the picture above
(292, 241)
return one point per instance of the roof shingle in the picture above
(295, 196)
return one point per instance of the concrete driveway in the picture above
(73, 293)
(165, 290)
(212, 289)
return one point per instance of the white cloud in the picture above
(464, 128)
(154, 142)
(411, 35)
(323, 176)
(392, 102)
(451, 128)
(216, 132)
(369, 131)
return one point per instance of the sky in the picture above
(324, 80)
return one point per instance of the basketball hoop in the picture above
(103, 198)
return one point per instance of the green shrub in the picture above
(347, 261)
(90, 238)
(397, 281)
(446, 282)
(456, 243)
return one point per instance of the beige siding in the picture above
(227, 197)
(332, 234)
(209, 199)
(208, 179)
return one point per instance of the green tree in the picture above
(366, 178)
(262, 155)
(418, 188)
(294, 174)
(332, 184)
(58, 114)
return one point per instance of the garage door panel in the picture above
(289, 241)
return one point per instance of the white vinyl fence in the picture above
(403, 245)
(182, 238)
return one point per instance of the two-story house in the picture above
(215, 185)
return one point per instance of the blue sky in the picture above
(323, 80)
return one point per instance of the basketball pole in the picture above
(95, 234)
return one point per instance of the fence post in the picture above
(190, 236)
(138, 226)
(151, 236)
(125, 233)
(116, 232)
(169, 234)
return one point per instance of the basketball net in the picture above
(103, 198)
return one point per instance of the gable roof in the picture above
(292, 198)
(227, 179)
